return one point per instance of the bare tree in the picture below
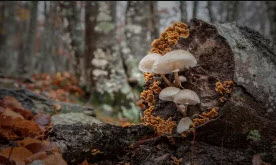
(271, 11)
(154, 20)
(210, 10)
(72, 14)
(195, 8)
(183, 11)
(26, 56)
(232, 11)
(104, 72)
(8, 54)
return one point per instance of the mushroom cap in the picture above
(145, 65)
(168, 94)
(182, 78)
(184, 125)
(186, 96)
(171, 61)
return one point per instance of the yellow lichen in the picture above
(169, 38)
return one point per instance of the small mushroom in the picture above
(167, 94)
(181, 79)
(186, 97)
(184, 125)
(145, 65)
(174, 61)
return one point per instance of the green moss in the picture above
(254, 135)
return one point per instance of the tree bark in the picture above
(210, 11)
(271, 7)
(8, 55)
(195, 8)
(183, 11)
(72, 14)
(25, 63)
(232, 11)
(154, 20)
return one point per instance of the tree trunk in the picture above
(137, 36)
(7, 54)
(154, 20)
(91, 11)
(104, 68)
(195, 8)
(26, 55)
(72, 14)
(183, 11)
(271, 11)
(210, 11)
(232, 11)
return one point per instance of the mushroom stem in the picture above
(181, 110)
(176, 78)
(166, 80)
(186, 108)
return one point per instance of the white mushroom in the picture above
(182, 78)
(146, 63)
(183, 125)
(167, 94)
(187, 97)
(174, 61)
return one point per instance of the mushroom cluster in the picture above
(173, 62)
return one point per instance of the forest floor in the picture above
(23, 134)
(62, 87)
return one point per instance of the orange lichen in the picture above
(169, 38)
(160, 125)
(219, 88)
(176, 161)
(148, 97)
(226, 87)
(211, 114)
(95, 152)
(222, 99)
(155, 87)
(203, 119)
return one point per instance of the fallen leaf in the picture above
(84, 163)
(42, 119)
(21, 127)
(9, 113)
(4, 159)
(18, 154)
(47, 158)
(27, 141)
(12, 102)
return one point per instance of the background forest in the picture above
(88, 52)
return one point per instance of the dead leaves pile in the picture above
(17, 123)
(57, 87)
(30, 150)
